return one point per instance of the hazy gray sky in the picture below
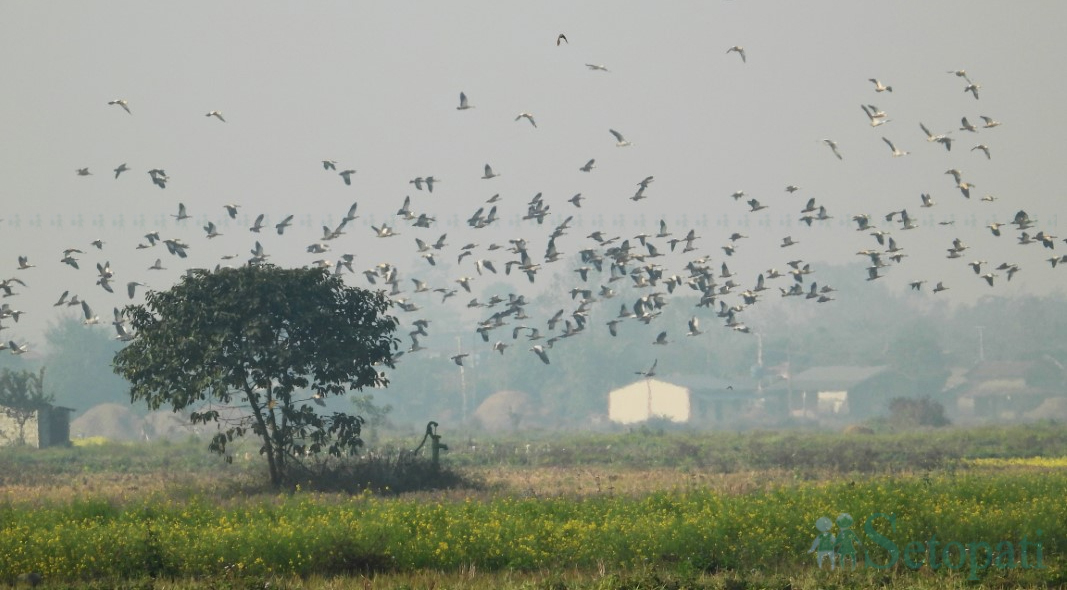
(375, 87)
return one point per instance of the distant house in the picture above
(47, 427)
(694, 399)
(856, 392)
(1006, 389)
(646, 399)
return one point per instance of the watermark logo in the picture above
(879, 550)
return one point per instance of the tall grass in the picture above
(644, 508)
(648, 447)
(307, 534)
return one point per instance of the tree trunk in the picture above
(275, 448)
(268, 443)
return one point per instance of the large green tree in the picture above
(79, 364)
(916, 354)
(266, 342)
(21, 396)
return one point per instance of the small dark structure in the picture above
(46, 427)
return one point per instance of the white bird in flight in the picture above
(931, 136)
(896, 152)
(384, 231)
(131, 288)
(528, 117)
(960, 74)
(740, 51)
(211, 230)
(879, 87)
(90, 319)
(540, 352)
(122, 103)
(833, 147)
(620, 141)
(258, 224)
(288, 221)
(181, 213)
(123, 333)
(463, 104)
(875, 119)
(651, 372)
(216, 114)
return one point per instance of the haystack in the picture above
(504, 410)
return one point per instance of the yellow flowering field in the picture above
(1040, 462)
(692, 527)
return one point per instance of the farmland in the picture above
(644, 508)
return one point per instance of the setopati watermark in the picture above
(884, 550)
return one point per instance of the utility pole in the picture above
(462, 379)
(648, 383)
(759, 362)
(789, 378)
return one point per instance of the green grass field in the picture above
(643, 509)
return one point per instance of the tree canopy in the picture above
(21, 396)
(253, 348)
(79, 364)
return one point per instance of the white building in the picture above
(649, 398)
(688, 399)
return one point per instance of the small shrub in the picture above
(384, 472)
(857, 429)
(917, 412)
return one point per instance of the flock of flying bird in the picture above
(631, 270)
(894, 252)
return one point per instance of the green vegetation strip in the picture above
(312, 534)
(727, 452)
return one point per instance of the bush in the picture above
(916, 412)
(382, 472)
